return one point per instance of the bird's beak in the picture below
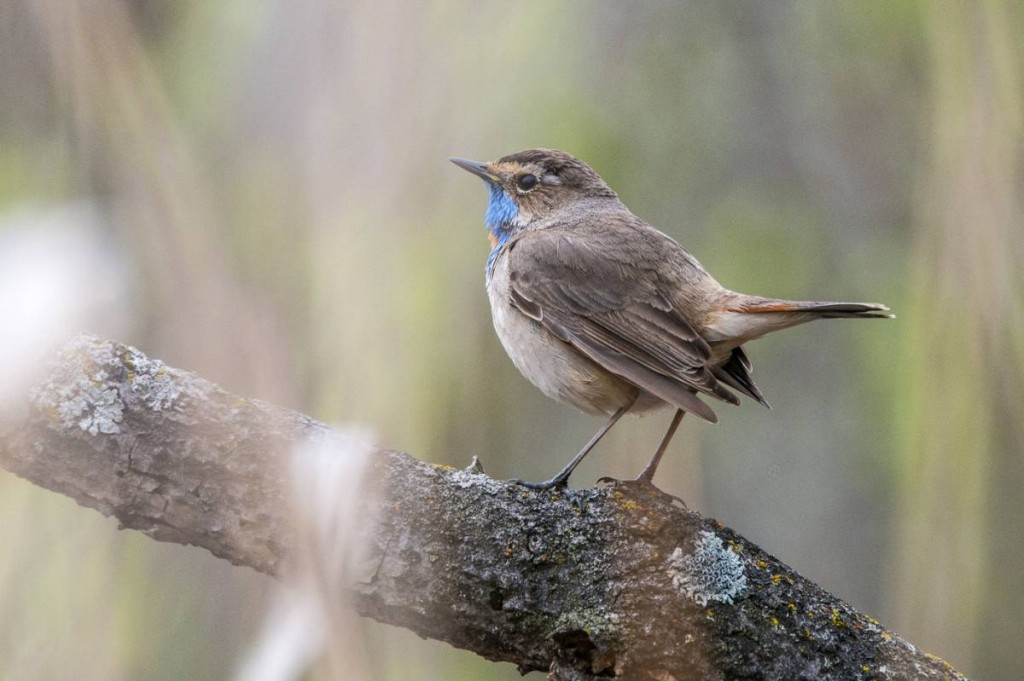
(475, 167)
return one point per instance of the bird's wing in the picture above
(601, 292)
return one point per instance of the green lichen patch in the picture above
(149, 380)
(95, 382)
(710, 572)
(81, 392)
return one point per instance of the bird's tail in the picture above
(745, 318)
(818, 309)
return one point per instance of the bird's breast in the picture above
(550, 364)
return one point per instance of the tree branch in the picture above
(613, 582)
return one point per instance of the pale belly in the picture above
(552, 365)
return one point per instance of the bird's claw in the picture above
(642, 485)
(554, 483)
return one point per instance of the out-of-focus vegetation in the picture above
(264, 198)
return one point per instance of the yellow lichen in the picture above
(629, 505)
(776, 579)
(938, 659)
(762, 564)
(792, 606)
(126, 358)
(774, 620)
(837, 620)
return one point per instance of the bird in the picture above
(598, 309)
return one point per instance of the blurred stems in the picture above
(964, 382)
(133, 148)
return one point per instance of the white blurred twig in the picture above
(311, 619)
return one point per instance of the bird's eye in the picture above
(526, 182)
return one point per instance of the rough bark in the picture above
(619, 581)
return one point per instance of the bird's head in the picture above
(530, 185)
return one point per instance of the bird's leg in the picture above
(562, 478)
(648, 473)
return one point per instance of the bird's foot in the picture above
(647, 477)
(557, 482)
(642, 485)
(640, 482)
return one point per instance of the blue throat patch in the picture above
(501, 212)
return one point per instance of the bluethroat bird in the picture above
(599, 309)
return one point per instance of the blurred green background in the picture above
(259, 192)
